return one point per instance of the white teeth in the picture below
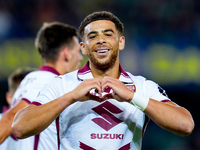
(102, 51)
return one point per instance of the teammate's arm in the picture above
(167, 115)
(7, 119)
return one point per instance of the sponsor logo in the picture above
(106, 110)
(106, 136)
(107, 120)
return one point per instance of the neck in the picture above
(111, 72)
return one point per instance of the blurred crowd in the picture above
(175, 22)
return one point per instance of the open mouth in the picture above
(102, 51)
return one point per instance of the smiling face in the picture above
(102, 43)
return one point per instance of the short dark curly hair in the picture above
(100, 15)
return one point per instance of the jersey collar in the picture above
(48, 68)
(85, 73)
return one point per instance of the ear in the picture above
(121, 42)
(83, 48)
(66, 53)
(9, 98)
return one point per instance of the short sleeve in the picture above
(154, 91)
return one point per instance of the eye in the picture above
(108, 35)
(92, 36)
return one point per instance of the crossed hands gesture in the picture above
(93, 89)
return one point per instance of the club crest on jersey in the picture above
(132, 87)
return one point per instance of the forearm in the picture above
(170, 117)
(34, 119)
(5, 126)
(7, 119)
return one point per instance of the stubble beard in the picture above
(103, 66)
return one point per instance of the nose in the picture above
(101, 39)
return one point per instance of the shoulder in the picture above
(58, 86)
(71, 74)
(140, 78)
(70, 77)
(40, 74)
(142, 82)
(149, 88)
(137, 78)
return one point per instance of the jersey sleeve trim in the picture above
(36, 103)
(165, 100)
(26, 100)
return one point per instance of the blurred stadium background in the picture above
(162, 44)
